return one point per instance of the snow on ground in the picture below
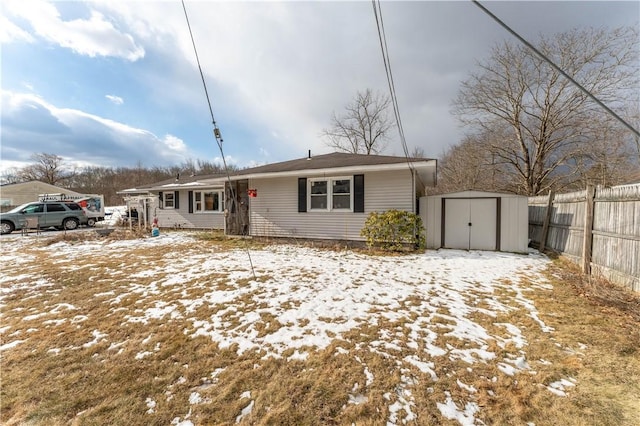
(317, 296)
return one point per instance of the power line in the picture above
(216, 133)
(377, 12)
(216, 130)
(557, 68)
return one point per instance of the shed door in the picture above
(470, 223)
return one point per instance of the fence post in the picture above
(545, 224)
(588, 229)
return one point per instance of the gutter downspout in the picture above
(413, 191)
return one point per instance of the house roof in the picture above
(35, 185)
(327, 161)
(337, 162)
(178, 181)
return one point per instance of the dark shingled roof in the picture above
(326, 161)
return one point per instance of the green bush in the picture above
(394, 230)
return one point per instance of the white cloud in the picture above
(275, 64)
(35, 125)
(275, 71)
(284, 67)
(174, 143)
(10, 32)
(115, 99)
(92, 37)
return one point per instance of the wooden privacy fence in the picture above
(599, 228)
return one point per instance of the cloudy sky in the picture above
(116, 83)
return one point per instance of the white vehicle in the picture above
(92, 204)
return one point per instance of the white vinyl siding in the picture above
(181, 218)
(274, 212)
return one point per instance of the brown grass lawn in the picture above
(88, 338)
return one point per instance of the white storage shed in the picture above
(476, 220)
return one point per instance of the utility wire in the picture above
(557, 68)
(377, 12)
(216, 130)
(217, 135)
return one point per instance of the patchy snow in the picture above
(195, 398)
(468, 388)
(560, 386)
(245, 411)
(151, 405)
(311, 298)
(465, 416)
(97, 337)
(10, 345)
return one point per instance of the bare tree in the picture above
(9, 176)
(543, 126)
(48, 168)
(471, 165)
(418, 152)
(363, 128)
(610, 160)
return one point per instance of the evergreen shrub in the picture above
(394, 230)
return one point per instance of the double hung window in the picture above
(331, 194)
(169, 200)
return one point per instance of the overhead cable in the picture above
(377, 12)
(557, 68)
(216, 133)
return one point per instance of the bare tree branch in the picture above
(552, 126)
(363, 128)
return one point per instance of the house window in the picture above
(341, 194)
(169, 200)
(331, 194)
(319, 190)
(207, 201)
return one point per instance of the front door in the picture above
(237, 207)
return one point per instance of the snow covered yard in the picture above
(180, 330)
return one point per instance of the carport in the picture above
(476, 220)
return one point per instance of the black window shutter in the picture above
(358, 193)
(176, 200)
(161, 200)
(190, 201)
(302, 195)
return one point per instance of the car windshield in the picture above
(17, 209)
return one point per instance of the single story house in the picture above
(317, 197)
